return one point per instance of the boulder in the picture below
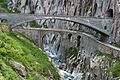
(19, 67)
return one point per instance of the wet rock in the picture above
(78, 76)
(62, 66)
(66, 75)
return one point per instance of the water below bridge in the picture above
(51, 49)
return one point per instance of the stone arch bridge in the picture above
(87, 43)
(101, 25)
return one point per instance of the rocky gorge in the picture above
(73, 60)
(75, 64)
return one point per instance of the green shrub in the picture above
(1, 1)
(2, 44)
(115, 69)
(117, 45)
(114, 66)
(73, 51)
(34, 24)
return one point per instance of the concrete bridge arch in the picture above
(17, 19)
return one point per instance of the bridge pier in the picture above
(40, 42)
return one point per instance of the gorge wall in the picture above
(85, 63)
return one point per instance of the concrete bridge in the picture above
(101, 25)
(87, 43)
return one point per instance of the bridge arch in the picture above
(48, 33)
(78, 40)
(69, 36)
(79, 21)
(17, 19)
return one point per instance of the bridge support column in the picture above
(41, 34)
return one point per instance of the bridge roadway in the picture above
(15, 19)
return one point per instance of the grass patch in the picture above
(6, 72)
(14, 46)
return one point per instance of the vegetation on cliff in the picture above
(73, 52)
(117, 45)
(4, 6)
(114, 63)
(16, 47)
(34, 24)
(115, 69)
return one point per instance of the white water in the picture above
(65, 75)
(50, 47)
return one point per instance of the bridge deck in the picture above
(17, 19)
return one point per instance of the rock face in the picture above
(90, 67)
(84, 66)
(99, 8)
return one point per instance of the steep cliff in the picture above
(99, 8)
